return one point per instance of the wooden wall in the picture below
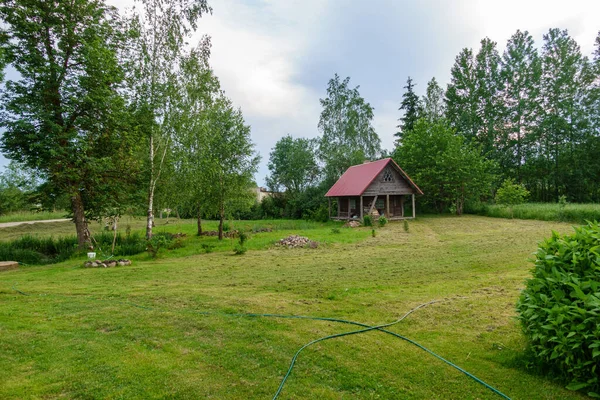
(399, 185)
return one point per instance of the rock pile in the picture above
(106, 263)
(352, 224)
(295, 241)
(228, 234)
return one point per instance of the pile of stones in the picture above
(352, 224)
(107, 263)
(295, 241)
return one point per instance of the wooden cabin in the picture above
(378, 188)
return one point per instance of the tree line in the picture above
(526, 116)
(113, 111)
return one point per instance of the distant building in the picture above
(378, 188)
(261, 193)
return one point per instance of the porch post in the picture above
(402, 205)
(387, 202)
(338, 213)
(413, 206)
(361, 207)
(329, 208)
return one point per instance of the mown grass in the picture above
(32, 216)
(571, 212)
(81, 333)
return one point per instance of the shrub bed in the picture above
(560, 308)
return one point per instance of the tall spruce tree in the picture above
(411, 106)
(521, 73)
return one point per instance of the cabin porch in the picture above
(392, 206)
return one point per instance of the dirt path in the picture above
(9, 224)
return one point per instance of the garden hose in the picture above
(366, 327)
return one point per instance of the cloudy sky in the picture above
(274, 57)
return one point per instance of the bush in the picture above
(367, 220)
(560, 306)
(382, 221)
(157, 242)
(335, 230)
(511, 193)
(405, 225)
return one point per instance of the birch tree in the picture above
(160, 28)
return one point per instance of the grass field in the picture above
(136, 332)
(31, 216)
(571, 212)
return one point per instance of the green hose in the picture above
(366, 327)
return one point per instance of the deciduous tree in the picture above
(447, 169)
(64, 116)
(160, 32)
(346, 126)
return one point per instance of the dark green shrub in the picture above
(158, 241)
(382, 221)
(207, 248)
(335, 230)
(405, 225)
(367, 220)
(238, 250)
(560, 308)
(373, 232)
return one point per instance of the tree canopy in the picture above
(346, 125)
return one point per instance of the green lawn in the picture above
(32, 216)
(136, 332)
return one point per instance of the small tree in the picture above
(232, 160)
(511, 194)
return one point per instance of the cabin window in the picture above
(387, 176)
(352, 204)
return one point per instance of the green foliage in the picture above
(405, 226)
(335, 231)
(448, 170)
(207, 248)
(64, 117)
(367, 220)
(240, 248)
(346, 126)
(382, 221)
(577, 213)
(292, 165)
(373, 233)
(511, 193)
(412, 107)
(159, 242)
(559, 308)
(434, 106)
(48, 250)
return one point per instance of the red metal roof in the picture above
(357, 178)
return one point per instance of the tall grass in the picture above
(577, 213)
(32, 216)
(36, 250)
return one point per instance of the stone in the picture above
(8, 265)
